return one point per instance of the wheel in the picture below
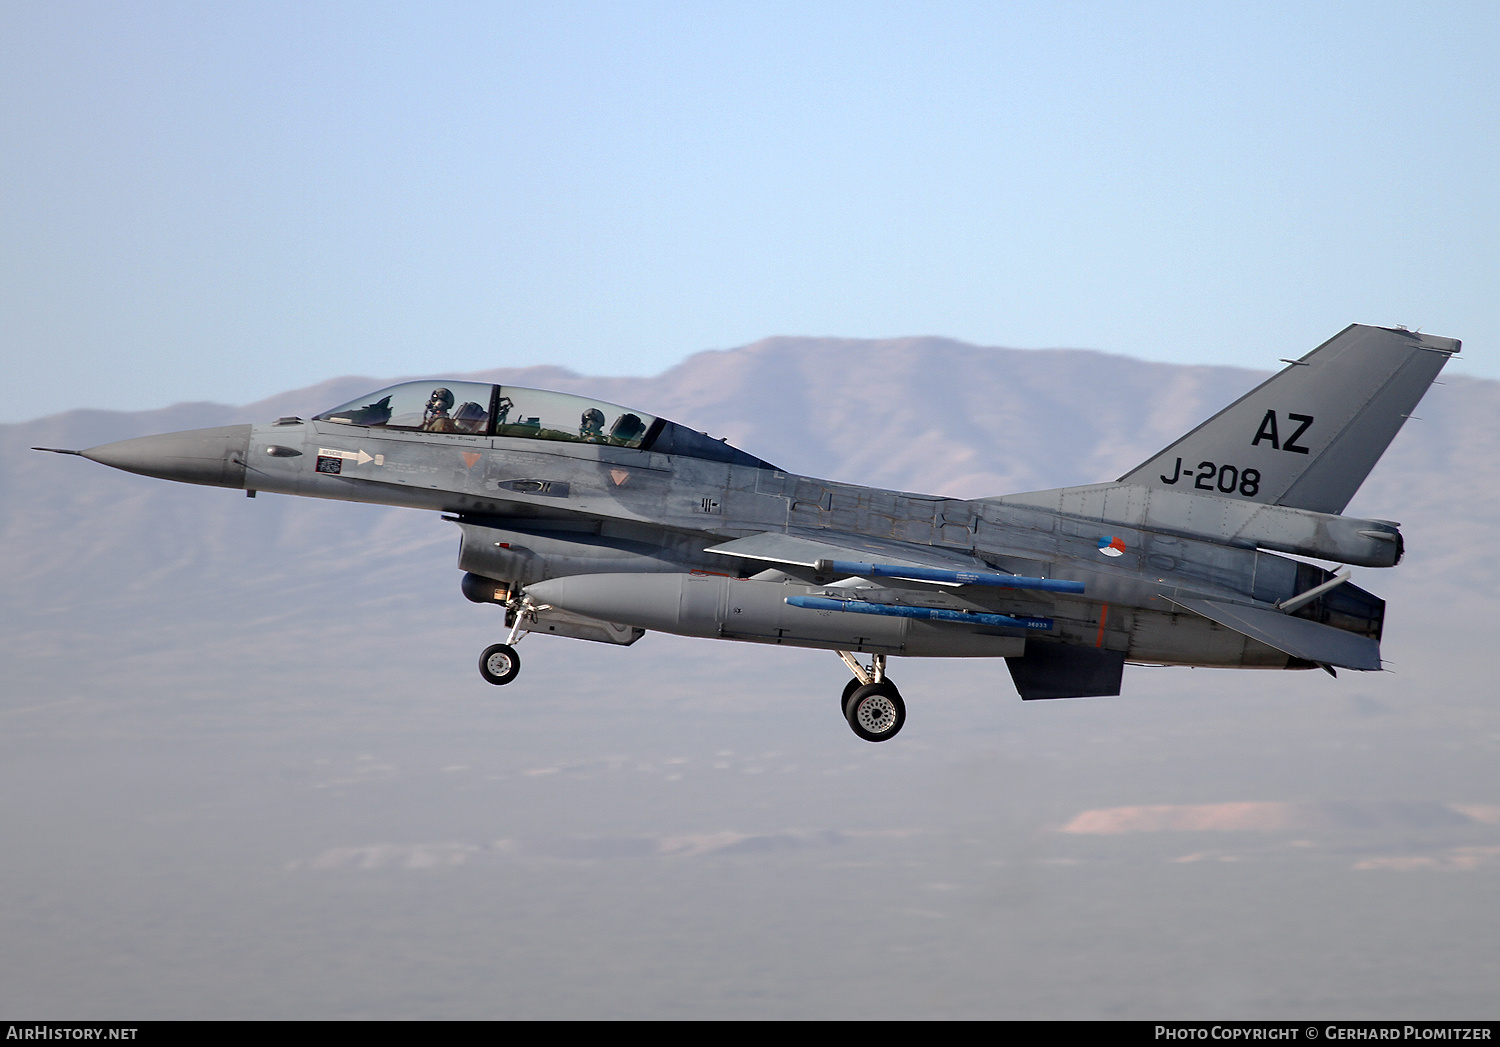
(499, 664)
(876, 711)
(849, 689)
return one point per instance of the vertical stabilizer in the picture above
(1308, 436)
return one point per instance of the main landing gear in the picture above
(499, 664)
(871, 703)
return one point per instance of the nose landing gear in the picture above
(870, 702)
(499, 664)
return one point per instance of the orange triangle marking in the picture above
(470, 457)
(619, 476)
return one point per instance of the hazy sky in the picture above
(224, 201)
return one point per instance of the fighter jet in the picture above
(589, 520)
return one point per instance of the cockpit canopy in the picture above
(441, 406)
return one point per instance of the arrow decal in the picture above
(359, 457)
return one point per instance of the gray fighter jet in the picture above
(588, 520)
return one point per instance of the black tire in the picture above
(876, 711)
(499, 664)
(849, 689)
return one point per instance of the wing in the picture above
(852, 555)
(800, 550)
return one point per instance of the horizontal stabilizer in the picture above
(932, 614)
(1057, 670)
(1298, 637)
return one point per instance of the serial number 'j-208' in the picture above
(1224, 478)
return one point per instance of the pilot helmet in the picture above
(440, 400)
(592, 421)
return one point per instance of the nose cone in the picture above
(215, 457)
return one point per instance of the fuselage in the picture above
(590, 520)
(535, 510)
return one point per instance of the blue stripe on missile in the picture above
(933, 574)
(936, 614)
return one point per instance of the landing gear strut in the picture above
(500, 664)
(871, 703)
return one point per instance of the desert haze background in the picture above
(250, 771)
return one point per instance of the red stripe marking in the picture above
(1103, 617)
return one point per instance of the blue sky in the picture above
(222, 201)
